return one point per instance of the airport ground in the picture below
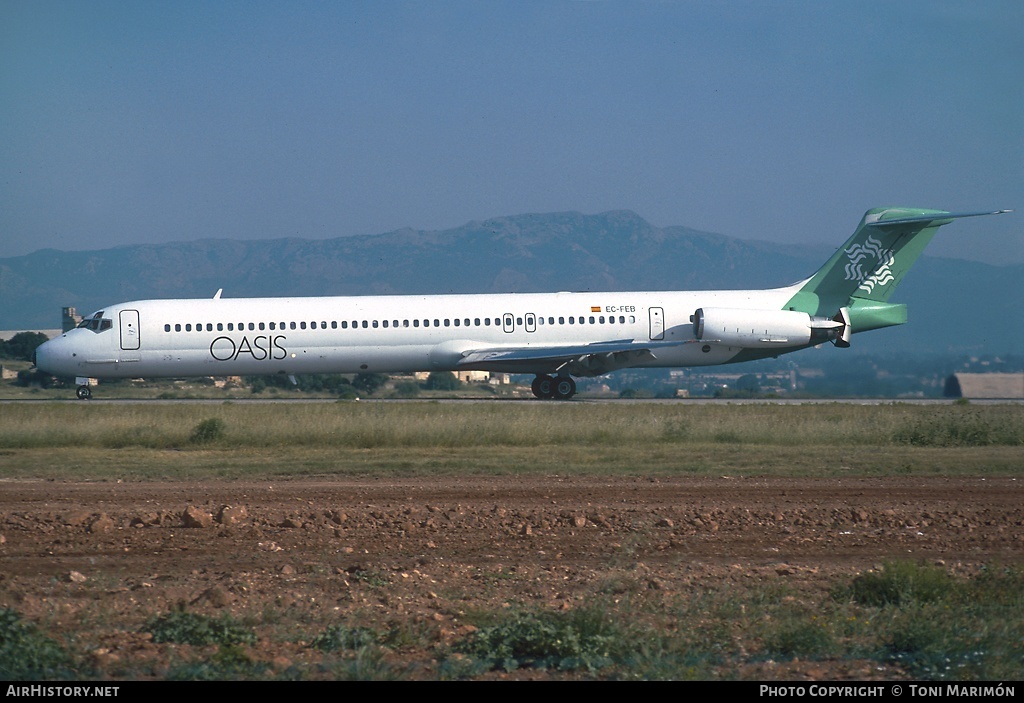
(425, 558)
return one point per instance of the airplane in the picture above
(554, 336)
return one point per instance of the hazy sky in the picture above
(133, 122)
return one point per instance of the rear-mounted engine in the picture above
(739, 327)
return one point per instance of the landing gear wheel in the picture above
(84, 393)
(565, 388)
(543, 387)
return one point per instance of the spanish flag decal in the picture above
(595, 308)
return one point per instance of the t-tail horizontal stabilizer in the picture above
(942, 219)
(855, 284)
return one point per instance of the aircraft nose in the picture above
(39, 356)
(47, 356)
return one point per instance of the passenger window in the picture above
(302, 325)
(385, 323)
(167, 328)
(476, 322)
(447, 322)
(487, 322)
(188, 327)
(334, 324)
(262, 326)
(415, 323)
(457, 322)
(220, 326)
(561, 320)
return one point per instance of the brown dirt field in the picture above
(104, 557)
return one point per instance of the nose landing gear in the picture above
(83, 392)
(559, 388)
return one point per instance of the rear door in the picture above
(657, 323)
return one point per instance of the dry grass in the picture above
(149, 440)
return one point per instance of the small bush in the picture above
(901, 583)
(442, 381)
(582, 639)
(227, 664)
(407, 389)
(210, 430)
(960, 427)
(939, 643)
(28, 655)
(342, 637)
(182, 627)
(368, 664)
(972, 632)
(801, 639)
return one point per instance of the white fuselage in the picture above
(386, 334)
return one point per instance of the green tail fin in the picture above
(864, 272)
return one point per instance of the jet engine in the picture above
(738, 327)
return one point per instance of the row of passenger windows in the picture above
(364, 324)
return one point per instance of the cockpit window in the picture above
(97, 323)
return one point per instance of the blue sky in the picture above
(135, 122)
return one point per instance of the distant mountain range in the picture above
(955, 306)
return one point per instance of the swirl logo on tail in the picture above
(869, 264)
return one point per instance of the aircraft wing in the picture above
(578, 360)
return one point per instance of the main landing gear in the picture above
(560, 387)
